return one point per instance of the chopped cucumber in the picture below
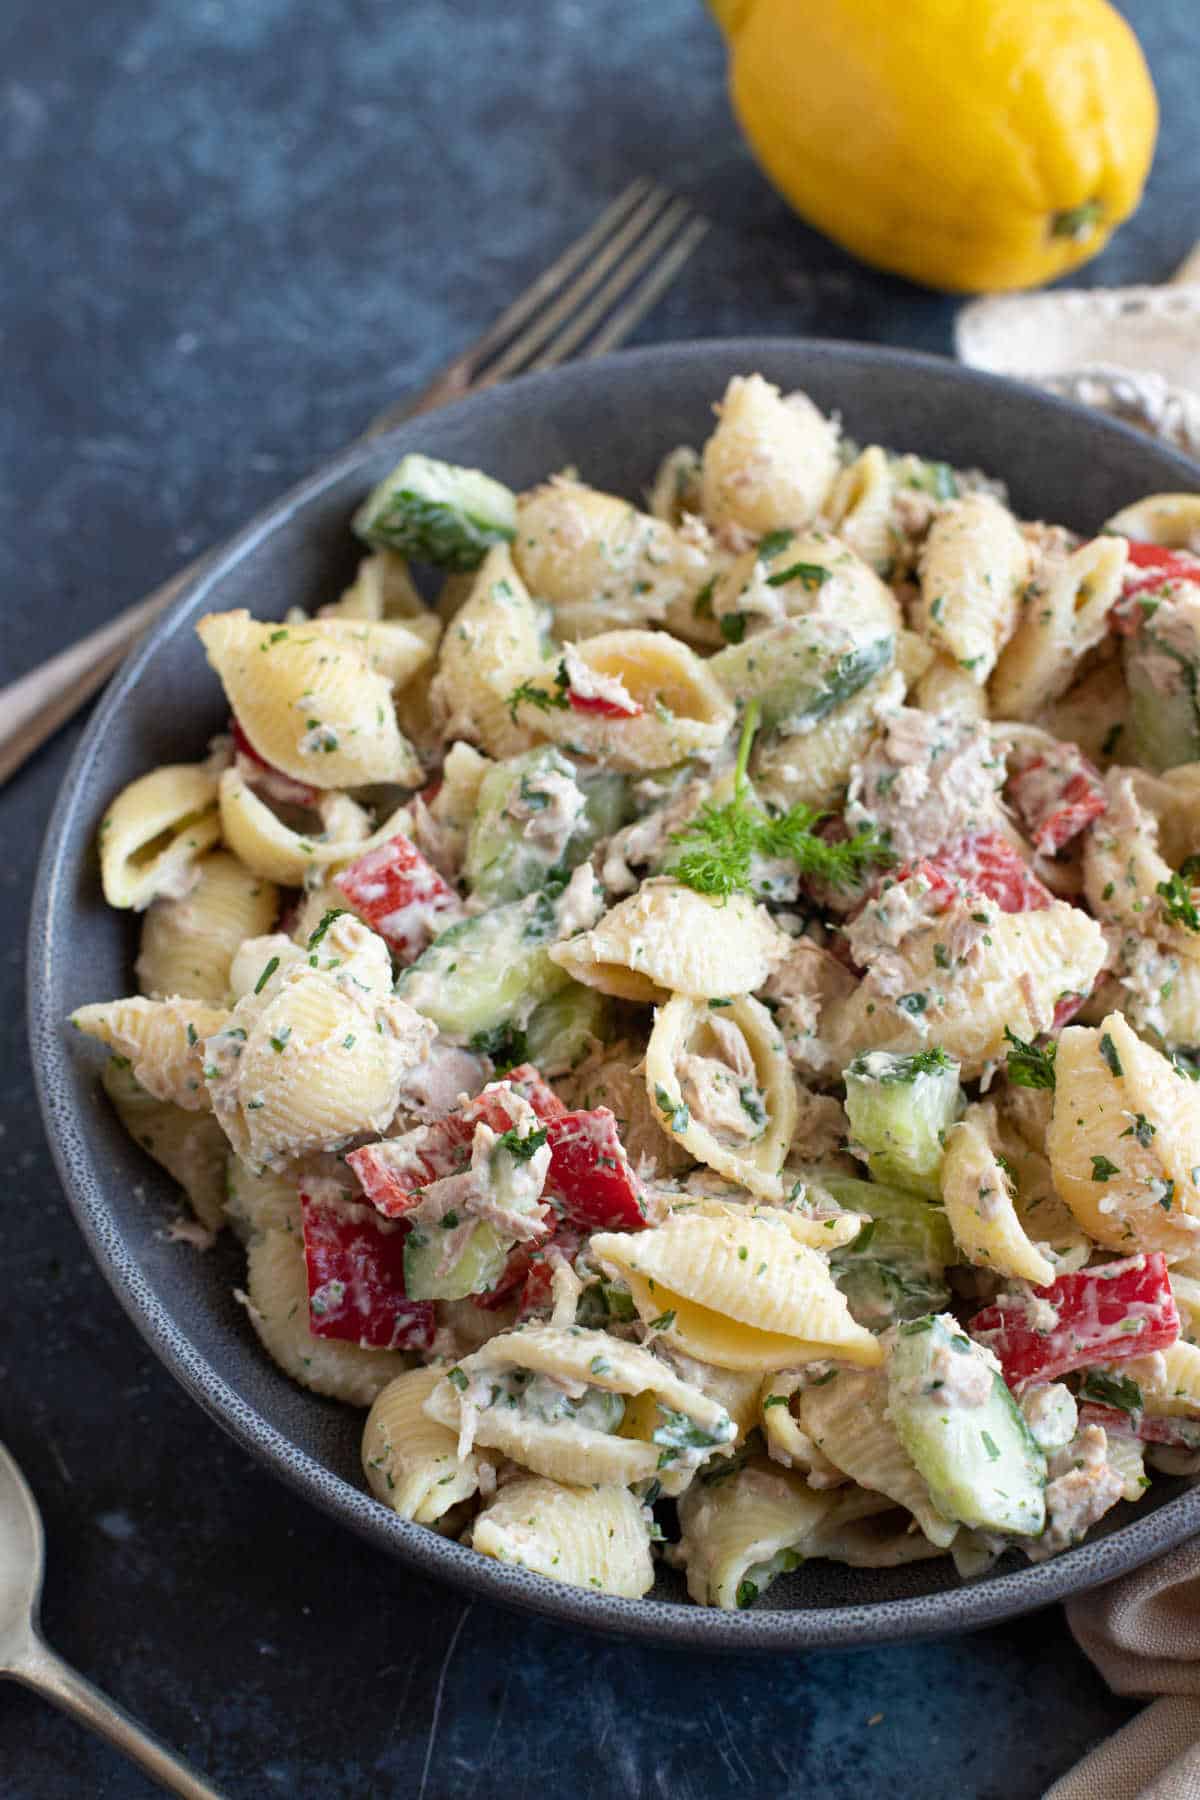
(488, 973)
(896, 1268)
(800, 671)
(506, 857)
(475, 1270)
(964, 1431)
(563, 1029)
(1161, 661)
(603, 1303)
(438, 513)
(900, 1108)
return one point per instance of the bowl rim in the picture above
(969, 1606)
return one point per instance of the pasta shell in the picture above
(590, 1537)
(1172, 520)
(973, 567)
(684, 709)
(668, 938)
(1124, 1140)
(1170, 1386)
(276, 1302)
(565, 1450)
(980, 1211)
(1123, 865)
(190, 1146)
(846, 1418)
(163, 1041)
(491, 644)
(859, 508)
(187, 945)
(743, 1292)
(273, 851)
(155, 832)
(382, 589)
(771, 460)
(1058, 624)
(683, 1038)
(315, 700)
(599, 562)
(410, 1461)
(258, 1200)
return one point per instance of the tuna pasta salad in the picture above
(696, 1024)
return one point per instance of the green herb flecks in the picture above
(1030, 1065)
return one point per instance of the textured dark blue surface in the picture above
(231, 230)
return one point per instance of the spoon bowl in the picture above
(27, 1658)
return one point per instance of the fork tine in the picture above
(638, 305)
(520, 353)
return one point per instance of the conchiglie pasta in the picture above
(598, 562)
(190, 1146)
(946, 687)
(258, 1200)
(859, 508)
(1170, 1387)
(1015, 980)
(317, 1055)
(1123, 865)
(493, 641)
(276, 1303)
(155, 832)
(410, 1461)
(381, 589)
(1124, 1140)
(667, 938)
(187, 944)
(632, 1419)
(1059, 623)
(682, 710)
(591, 1537)
(315, 700)
(980, 1211)
(277, 852)
(743, 1290)
(973, 566)
(810, 575)
(723, 1084)
(812, 768)
(770, 462)
(163, 1040)
(846, 1417)
(1172, 520)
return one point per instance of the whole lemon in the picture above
(967, 144)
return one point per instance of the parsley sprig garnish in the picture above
(1177, 902)
(1028, 1065)
(720, 844)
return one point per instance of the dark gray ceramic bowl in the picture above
(613, 419)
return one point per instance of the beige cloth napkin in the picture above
(1143, 1634)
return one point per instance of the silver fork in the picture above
(586, 303)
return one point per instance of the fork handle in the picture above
(41, 1669)
(33, 707)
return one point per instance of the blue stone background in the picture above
(231, 230)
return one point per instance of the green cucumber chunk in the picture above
(900, 1108)
(488, 973)
(564, 1028)
(896, 1268)
(438, 512)
(506, 855)
(800, 671)
(964, 1431)
(1161, 662)
(475, 1270)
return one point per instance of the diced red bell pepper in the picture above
(590, 1173)
(987, 864)
(285, 789)
(1057, 797)
(601, 708)
(984, 864)
(1151, 567)
(1180, 1434)
(393, 1171)
(1095, 1310)
(355, 1265)
(536, 1293)
(401, 896)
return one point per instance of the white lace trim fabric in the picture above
(1133, 352)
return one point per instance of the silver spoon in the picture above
(27, 1658)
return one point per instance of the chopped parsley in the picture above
(678, 1117)
(1120, 1391)
(521, 1148)
(664, 1321)
(733, 627)
(263, 979)
(1141, 1129)
(1108, 1051)
(335, 912)
(527, 693)
(812, 575)
(1028, 1065)
(1177, 902)
(1102, 1169)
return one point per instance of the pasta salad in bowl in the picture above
(689, 1008)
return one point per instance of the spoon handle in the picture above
(41, 1669)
